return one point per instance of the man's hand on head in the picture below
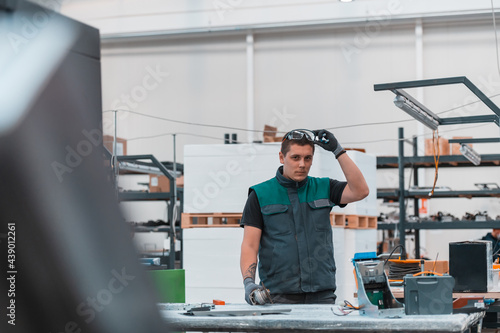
(328, 141)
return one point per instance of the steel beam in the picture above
(388, 162)
(491, 118)
(428, 225)
(474, 140)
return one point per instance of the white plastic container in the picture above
(217, 177)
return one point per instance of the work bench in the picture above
(308, 318)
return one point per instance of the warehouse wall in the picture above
(204, 79)
(302, 79)
(305, 76)
(312, 76)
(200, 81)
(116, 18)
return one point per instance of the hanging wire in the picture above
(186, 122)
(435, 150)
(403, 251)
(409, 185)
(261, 131)
(176, 133)
(467, 104)
(415, 136)
(250, 130)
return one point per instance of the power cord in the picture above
(344, 310)
(435, 144)
(402, 255)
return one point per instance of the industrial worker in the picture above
(287, 226)
(494, 238)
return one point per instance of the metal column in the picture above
(415, 200)
(171, 210)
(401, 168)
(115, 160)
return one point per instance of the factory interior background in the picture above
(310, 65)
(197, 82)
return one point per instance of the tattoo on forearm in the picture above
(250, 272)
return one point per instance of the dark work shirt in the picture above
(495, 245)
(252, 215)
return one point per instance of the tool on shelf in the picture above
(487, 186)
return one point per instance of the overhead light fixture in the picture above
(345, 0)
(426, 117)
(397, 89)
(470, 154)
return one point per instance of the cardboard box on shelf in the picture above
(270, 134)
(218, 176)
(268, 138)
(160, 183)
(438, 266)
(444, 147)
(180, 181)
(121, 145)
(455, 147)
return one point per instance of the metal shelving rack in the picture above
(394, 194)
(421, 113)
(134, 164)
(401, 162)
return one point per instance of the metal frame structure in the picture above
(421, 113)
(401, 162)
(397, 87)
(428, 225)
(475, 140)
(445, 161)
(393, 194)
(133, 163)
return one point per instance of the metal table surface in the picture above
(311, 318)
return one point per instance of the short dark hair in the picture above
(286, 143)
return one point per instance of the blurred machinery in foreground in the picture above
(72, 263)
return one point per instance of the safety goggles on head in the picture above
(298, 134)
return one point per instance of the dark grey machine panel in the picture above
(428, 295)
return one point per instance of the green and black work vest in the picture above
(296, 246)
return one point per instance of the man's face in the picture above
(297, 162)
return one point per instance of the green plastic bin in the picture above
(170, 284)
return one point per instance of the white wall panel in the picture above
(325, 80)
(202, 81)
(212, 264)
(211, 261)
(218, 176)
